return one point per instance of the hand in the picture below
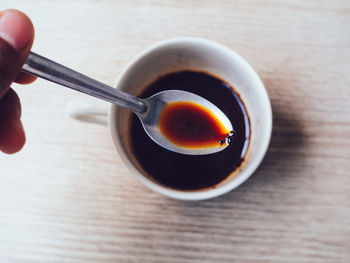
(16, 39)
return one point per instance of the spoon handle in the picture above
(47, 69)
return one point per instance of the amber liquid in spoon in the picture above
(191, 125)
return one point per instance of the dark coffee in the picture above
(193, 172)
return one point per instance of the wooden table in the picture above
(67, 197)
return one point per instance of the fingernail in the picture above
(15, 29)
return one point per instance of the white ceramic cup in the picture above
(197, 54)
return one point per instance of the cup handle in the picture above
(91, 111)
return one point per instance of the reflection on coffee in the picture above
(193, 172)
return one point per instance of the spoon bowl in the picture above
(155, 105)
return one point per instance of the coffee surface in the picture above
(193, 172)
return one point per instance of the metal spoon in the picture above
(148, 110)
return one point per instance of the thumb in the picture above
(16, 39)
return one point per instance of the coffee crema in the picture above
(193, 172)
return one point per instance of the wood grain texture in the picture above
(67, 197)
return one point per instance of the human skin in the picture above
(16, 39)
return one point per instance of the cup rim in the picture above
(208, 193)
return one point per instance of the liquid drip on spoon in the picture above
(228, 139)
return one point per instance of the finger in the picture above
(12, 136)
(10, 106)
(16, 39)
(24, 78)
